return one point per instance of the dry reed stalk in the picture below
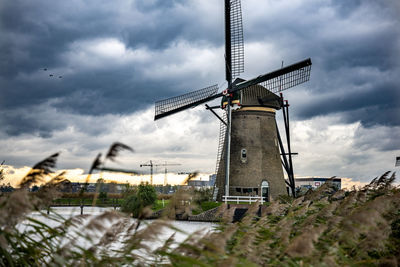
(14, 207)
(137, 240)
(283, 230)
(251, 213)
(191, 247)
(111, 235)
(95, 165)
(181, 203)
(216, 242)
(276, 209)
(245, 246)
(115, 148)
(39, 171)
(303, 245)
(112, 154)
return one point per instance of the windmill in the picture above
(249, 133)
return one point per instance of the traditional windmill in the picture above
(251, 159)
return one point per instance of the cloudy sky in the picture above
(115, 58)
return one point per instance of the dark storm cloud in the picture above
(58, 35)
(355, 48)
(378, 105)
(35, 35)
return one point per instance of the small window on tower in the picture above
(243, 155)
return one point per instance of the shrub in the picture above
(147, 194)
(103, 195)
(137, 200)
(131, 204)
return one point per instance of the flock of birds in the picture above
(52, 75)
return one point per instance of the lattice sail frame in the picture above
(288, 80)
(280, 79)
(178, 102)
(237, 42)
(221, 141)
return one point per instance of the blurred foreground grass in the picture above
(359, 227)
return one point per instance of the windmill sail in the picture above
(175, 104)
(281, 79)
(222, 133)
(221, 143)
(289, 79)
(237, 43)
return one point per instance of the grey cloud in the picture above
(39, 34)
(379, 105)
(381, 138)
(355, 52)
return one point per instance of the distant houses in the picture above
(315, 182)
(203, 183)
(116, 188)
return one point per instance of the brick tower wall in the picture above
(253, 129)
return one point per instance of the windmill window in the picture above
(243, 155)
(247, 190)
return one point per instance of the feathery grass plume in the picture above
(356, 228)
(303, 244)
(2, 176)
(39, 171)
(112, 153)
(105, 226)
(380, 185)
(382, 182)
(50, 190)
(180, 205)
(96, 164)
(217, 242)
(162, 252)
(190, 246)
(115, 148)
(191, 176)
(15, 205)
(325, 190)
(112, 233)
(140, 239)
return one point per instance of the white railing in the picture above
(238, 199)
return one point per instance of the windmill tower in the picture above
(249, 157)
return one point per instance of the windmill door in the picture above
(265, 190)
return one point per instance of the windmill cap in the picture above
(258, 95)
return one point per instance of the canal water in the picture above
(85, 226)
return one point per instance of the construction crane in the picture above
(152, 165)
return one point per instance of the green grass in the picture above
(158, 205)
(209, 205)
(87, 201)
(204, 206)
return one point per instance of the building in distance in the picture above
(313, 183)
